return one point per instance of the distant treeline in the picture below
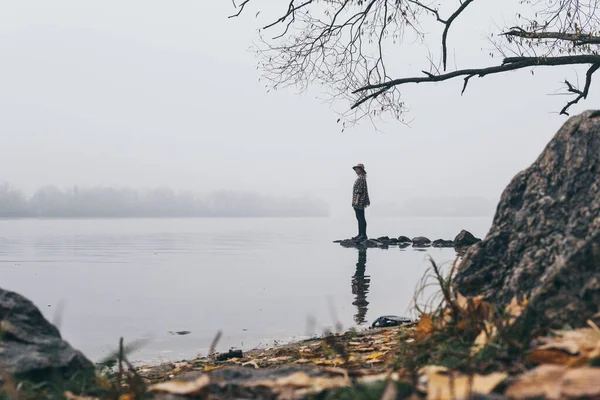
(110, 202)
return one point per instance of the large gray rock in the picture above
(30, 346)
(544, 243)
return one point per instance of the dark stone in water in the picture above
(421, 241)
(180, 333)
(390, 320)
(31, 347)
(443, 243)
(404, 239)
(464, 239)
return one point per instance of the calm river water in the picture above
(257, 280)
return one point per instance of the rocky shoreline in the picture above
(462, 240)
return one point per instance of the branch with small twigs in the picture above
(509, 64)
(240, 8)
(576, 38)
(581, 94)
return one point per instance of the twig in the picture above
(241, 9)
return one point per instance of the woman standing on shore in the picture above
(360, 200)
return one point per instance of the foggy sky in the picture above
(161, 93)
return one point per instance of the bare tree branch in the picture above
(577, 38)
(509, 64)
(582, 94)
(448, 23)
(345, 46)
(240, 8)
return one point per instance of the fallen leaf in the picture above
(484, 337)
(556, 382)
(424, 327)
(303, 361)
(337, 361)
(253, 363)
(442, 385)
(71, 396)
(364, 349)
(514, 309)
(182, 388)
(581, 383)
(279, 359)
(569, 346)
(212, 367)
(300, 380)
(574, 348)
(375, 355)
(551, 356)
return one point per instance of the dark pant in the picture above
(362, 222)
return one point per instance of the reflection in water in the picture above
(360, 287)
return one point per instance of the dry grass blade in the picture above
(215, 342)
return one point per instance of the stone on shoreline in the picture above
(31, 347)
(544, 243)
(390, 320)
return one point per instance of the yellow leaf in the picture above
(182, 388)
(365, 349)
(375, 355)
(212, 367)
(424, 327)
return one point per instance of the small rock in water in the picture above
(404, 239)
(181, 333)
(390, 320)
(421, 241)
(443, 243)
(465, 238)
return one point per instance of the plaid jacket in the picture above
(360, 189)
